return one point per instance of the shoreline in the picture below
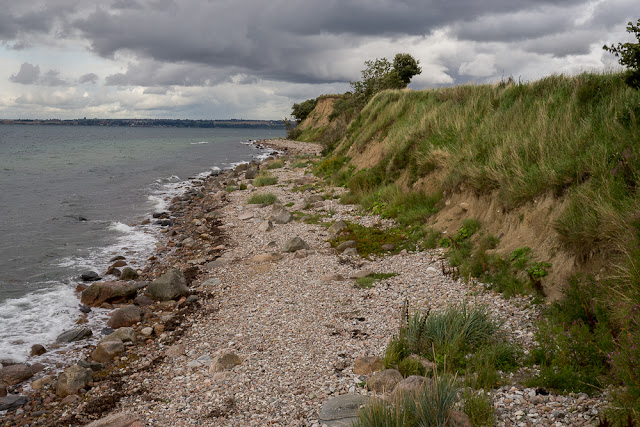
(294, 320)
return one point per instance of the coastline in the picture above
(294, 320)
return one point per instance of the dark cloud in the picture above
(28, 74)
(52, 78)
(90, 78)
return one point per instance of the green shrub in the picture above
(262, 199)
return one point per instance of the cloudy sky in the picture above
(216, 59)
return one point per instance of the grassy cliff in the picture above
(532, 187)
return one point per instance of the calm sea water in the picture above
(53, 176)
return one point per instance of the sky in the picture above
(252, 59)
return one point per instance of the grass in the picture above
(275, 164)
(262, 199)
(479, 408)
(369, 240)
(264, 178)
(367, 281)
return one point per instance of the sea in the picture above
(73, 197)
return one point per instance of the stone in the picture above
(344, 245)
(143, 301)
(458, 419)
(72, 380)
(106, 351)
(342, 411)
(412, 384)
(11, 402)
(282, 217)
(122, 419)
(295, 244)
(119, 263)
(301, 253)
(464, 206)
(117, 258)
(114, 271)
(124, 334)
(251, 173)
(426, 363)
(350, 252)
(40, 383)
(432, 270)
(384, 381)
(148, 331)
(366, 365)
(314, 198)
(109, 292)
(15, 374)
(3, 388)
(388, 247)
(69, 399)
(37, 350)
(338, 227)
(90, 276)
(267, 257)
(169, 286)
(126, 316)
(224, 362)
(129, 273)
(245, 216)
(360, 274)
(94, 366)
(212, 283)
(332, 278)
(85, 309)
(36, 368)
(75, 334)
(175, 351)
(265, 226)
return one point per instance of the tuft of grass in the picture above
(298, 165)
(230, 188)
(367, 281)
(264, 178)
(369, 240)
(275, 164)
(479, 408)
(262, 199)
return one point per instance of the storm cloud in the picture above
(292, 50)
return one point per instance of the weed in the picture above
(369, 240)
(367, 281)
(297, 165)
(230, 188)
(262, 199)
(243, 186)
(288, 205)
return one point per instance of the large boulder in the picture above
(128, 273)
(169, 286)
(73, 379)
(126, 316)
(75, 334)
(111, 292)
(384, 381)
(295, 244)
(15, 374)
(106, 351)
(11, 402)
(90, 276)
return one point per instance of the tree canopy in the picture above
(302, 110)
(629, 54)
(381, 74)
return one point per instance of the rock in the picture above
(251, 173)
(360, 274)
(15, 374)
(37, 350)
(458, 419)
(125, 316)
(245, 216)
(175, 351)
(42, 382)
(117, 258)
(432, 270)
(332, 278)
(118, 420)
(123, 334)
(412, 384)
(110, 292)
(73, 379)
(338, 227)
(94, 366)
(313, 199)
(267, 257)
(388, 247)
(191, 299)
(224, 362)
(90, 276)
(129, 273)
(3, 388)
(426, 363)
(11, 402)
(384, 381)
(282, 217)
(69, 399)
(464, 206)
(114, 271)
(119, 263)
(75, 334)
(143, 301)
(85, 309)
(169, 286)
(295, 244)
(107, 350)
(301, 253)
(212, 283)
(265, 226)
(342, 411)
(147, 331)
(366, 365)
(344, 245)
(350, 252)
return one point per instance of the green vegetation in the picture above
(275, 164)
(302, 110)
(369, 240)
(264, 179)
(262, 199)
(629, 54)
(479, 408)
(368, 280)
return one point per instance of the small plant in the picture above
(243, 186)
(275, 164)
(298, 165)
(230, 188)
(520, 257)
(479, 408)
(288, 205)
(263, 179)
(262, 199)
(367, 281)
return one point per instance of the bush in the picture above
(301, 111)
(262, 199)
(629, 54)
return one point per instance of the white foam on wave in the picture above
(200, 143)
(36, 318)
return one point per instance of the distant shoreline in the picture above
(176, 123)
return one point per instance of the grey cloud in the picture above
(153, 73)
(28, 74)
(90, 78)
(52, 78)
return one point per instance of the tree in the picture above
(406, 66)
(629, 54)
(302, 110)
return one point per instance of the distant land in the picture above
(175, 123)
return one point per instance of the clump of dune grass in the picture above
(262, 199)
(264, 178)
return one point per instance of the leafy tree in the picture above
(406, 66)
(629, 54)
(302, 110)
